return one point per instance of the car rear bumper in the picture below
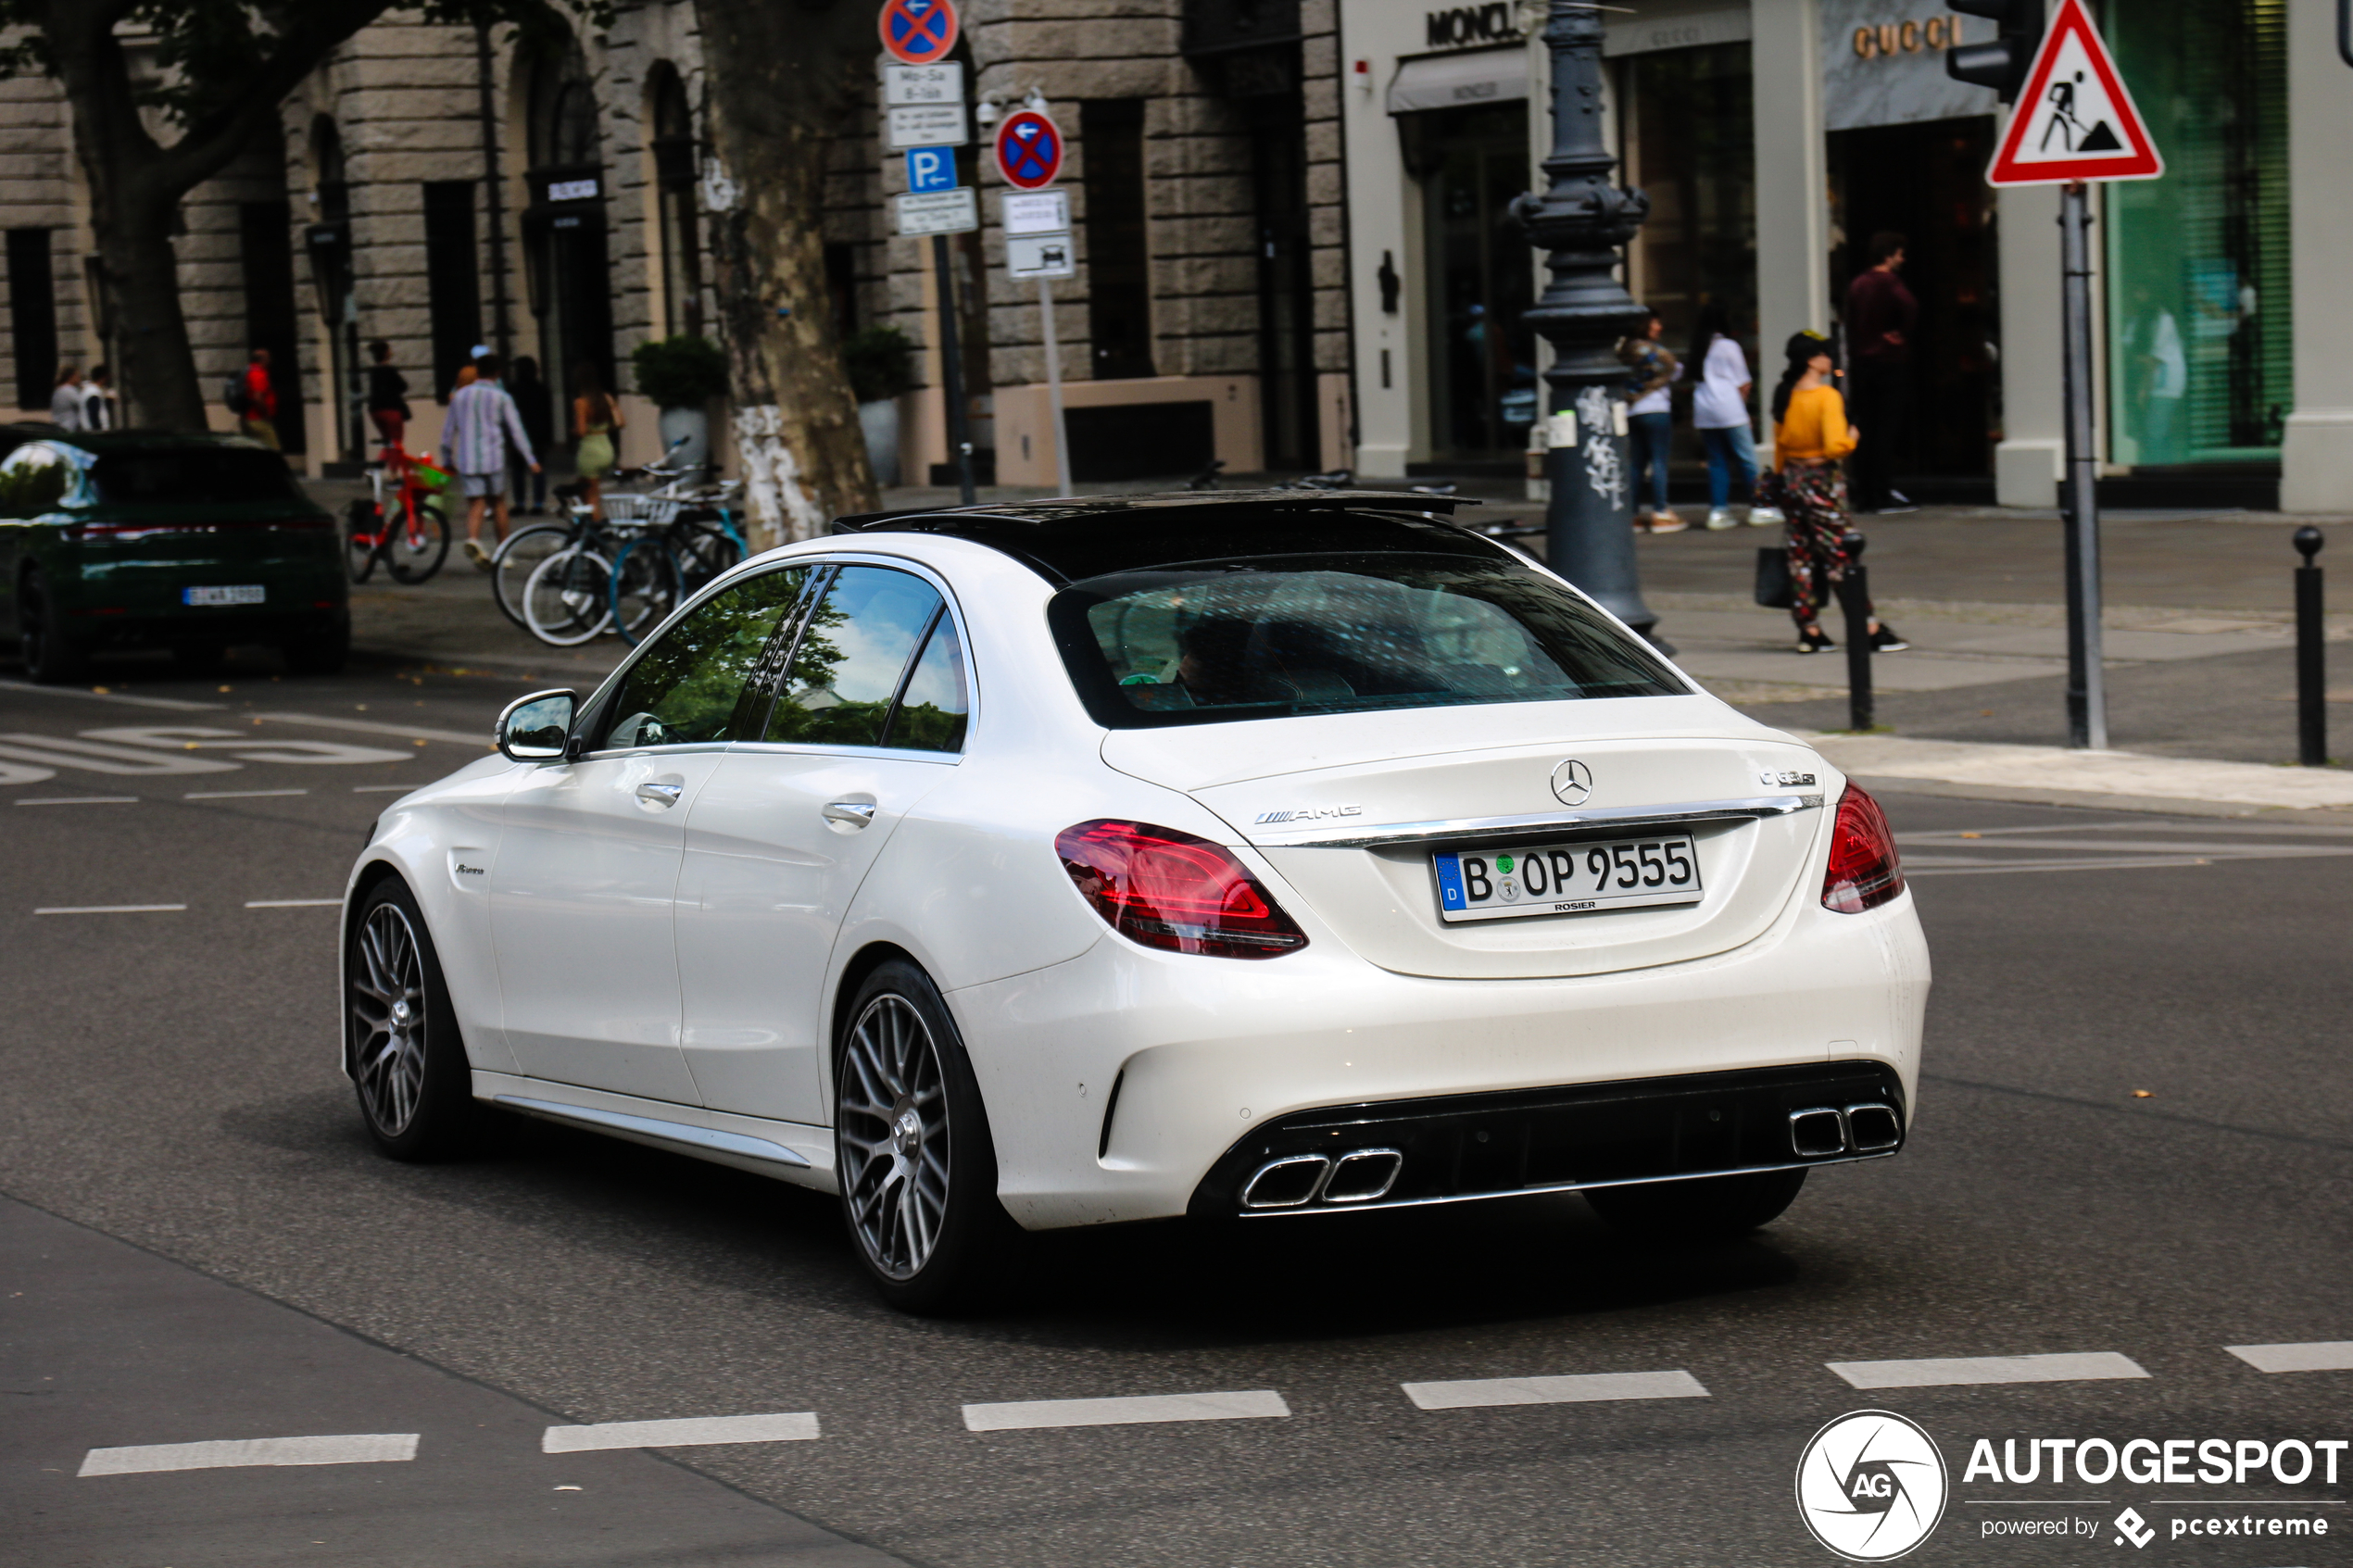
(1407, 1153)
(1131, 1084)
(203, 626)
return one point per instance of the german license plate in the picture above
(242, 593)
(1566, 879)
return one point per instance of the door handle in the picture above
(656, 794)
(851, 813)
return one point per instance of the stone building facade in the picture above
(1208, 319)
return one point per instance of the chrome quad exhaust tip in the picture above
(1296, 1181)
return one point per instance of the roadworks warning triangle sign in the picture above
(2075, 120)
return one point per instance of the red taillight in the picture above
(1170, 890)
(1864, 871)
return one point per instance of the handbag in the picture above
(1774, 590)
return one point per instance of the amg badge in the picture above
(1310, 814)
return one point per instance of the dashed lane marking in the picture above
(1254, 1404)
(380, 789)
(2328, 1355)
(694, 1432)
(1476, 1392)
(2072, 1367)
(238, 793)
(83, 800)
(293, 903)
(478, 738)
(111, 909)
(371, 1447)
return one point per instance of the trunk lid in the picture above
(1349, 809)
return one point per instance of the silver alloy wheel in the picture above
(894, 1136)
(388, 1019)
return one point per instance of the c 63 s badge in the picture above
(1871, 1486)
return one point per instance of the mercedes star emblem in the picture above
(1572, 782)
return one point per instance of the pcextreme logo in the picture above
(1871, 1486)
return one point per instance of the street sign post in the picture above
(939, 212)
(2075, 122)
(931, 169)
(1038, 245)
(1029, 150)
(923, 107)
(918, 32)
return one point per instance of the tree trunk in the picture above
(781, 78)
(141, 273)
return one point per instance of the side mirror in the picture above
(536, 728)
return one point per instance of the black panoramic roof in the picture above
(1069, 539)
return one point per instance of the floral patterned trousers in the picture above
(1813, 498)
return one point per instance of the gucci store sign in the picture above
(1884, 63)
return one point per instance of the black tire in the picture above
(897, 1055)
(1705, 1209)
(322, 653)
(51, 659)
(408, 1061)
(413, 566)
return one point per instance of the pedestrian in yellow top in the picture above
(1810, 435)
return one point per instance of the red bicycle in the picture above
(406, 530)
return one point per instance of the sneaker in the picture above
(476, 554)
(1815, 640)
(1719, 519)
(1765, 517)
(1666, 523)
(1887, 639)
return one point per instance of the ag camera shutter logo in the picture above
(1871, 1486)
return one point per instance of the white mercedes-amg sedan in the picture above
(1253, 856)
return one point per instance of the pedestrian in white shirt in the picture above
(1719, 411)
(475, 436)
(65, 403)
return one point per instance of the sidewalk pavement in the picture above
(2198, 636)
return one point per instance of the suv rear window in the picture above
(1272, 637)
(191, 475)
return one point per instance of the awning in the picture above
(1454, 81)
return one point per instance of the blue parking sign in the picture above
(931, 169)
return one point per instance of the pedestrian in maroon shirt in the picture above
(1879, 316)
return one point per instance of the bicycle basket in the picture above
(428, 474)
(642, 509)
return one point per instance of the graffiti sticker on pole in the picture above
(2075, 118)
(1029, 150)
(918, 32)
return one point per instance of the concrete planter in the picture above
(694, 424)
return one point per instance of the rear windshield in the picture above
(192, 476)
(1277, 635)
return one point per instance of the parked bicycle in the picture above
(409, 535)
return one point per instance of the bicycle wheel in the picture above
(644, 586)
(568, 601)
(419, 545)
(517, 559)
(703, 552)
(360, 539)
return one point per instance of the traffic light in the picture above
(2002, 63)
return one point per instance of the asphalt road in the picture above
(170, 1084)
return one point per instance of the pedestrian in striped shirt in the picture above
(482, 420)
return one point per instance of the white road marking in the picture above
(83, 800)
(53, 751)
(369, 1448)
(694, 1432)
(372, 727)
(1479, 1392)
(2327, 1355)
(111, 909)
(1245, 1406)
(238, 793)
(86, 695)
(379, 789)
(293, 903)
(2071, 1367)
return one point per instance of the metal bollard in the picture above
(2311, 666)
(1855, 595)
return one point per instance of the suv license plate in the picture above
(242, 593)
(1566, 879)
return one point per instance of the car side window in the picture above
(685, 689)
(932, 714)
(854, 647)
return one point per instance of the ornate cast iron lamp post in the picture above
(1584, 221)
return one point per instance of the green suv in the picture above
(145, 539)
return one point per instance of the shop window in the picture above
(2200, 311)
(1479, 274)
(32, 316)
(681, 235)
(453, 279)
(1119, 300)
